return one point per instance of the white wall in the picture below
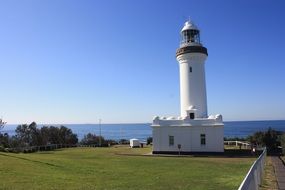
(189, 138)
(193, 84)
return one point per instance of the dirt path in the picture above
(279, 168)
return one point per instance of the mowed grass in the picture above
(269, 179)
(116, 168)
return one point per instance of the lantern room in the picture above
(190, 34)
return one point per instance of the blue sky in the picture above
(78, 61)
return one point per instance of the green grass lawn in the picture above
(109, 168)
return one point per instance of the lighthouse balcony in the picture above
(191, 49)
(186, 121)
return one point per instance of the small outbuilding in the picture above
(134, 143)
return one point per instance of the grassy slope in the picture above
(102, 168)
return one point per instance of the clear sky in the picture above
(77, 61)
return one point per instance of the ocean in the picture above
(143, 130)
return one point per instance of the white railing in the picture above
(238, 143)
(252, 181)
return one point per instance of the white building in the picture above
(134, 143)
(194, 130)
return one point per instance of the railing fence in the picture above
(238, 143)
(253, 179)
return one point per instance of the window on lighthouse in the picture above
(189, 36)
(203, 139)
(190, 69)
(171, 140)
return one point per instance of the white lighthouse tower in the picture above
(191, 57)
(194, 131)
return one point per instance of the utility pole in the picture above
(100, 138)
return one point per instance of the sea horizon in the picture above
(111, 123)
(142, 131)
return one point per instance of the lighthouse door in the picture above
(192, 115)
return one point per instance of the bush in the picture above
(4, 140)
(124, 141)
(29, 135)
(149, 140)
(269, 138)
(283, 143)
(111, 142)
(93, 139)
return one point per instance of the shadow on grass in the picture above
(228, 153)
(48, 151)
(30, 160)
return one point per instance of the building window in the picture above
(171, 140)
(190, 69)
(203, 139)
(192, 115)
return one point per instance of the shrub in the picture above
(124, 141)
(93, 139)
(283, 143)
(149, 140)
(111, 142)
(269, 138)
(29, 135)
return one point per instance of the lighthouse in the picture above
(191, 56)
(193, 131)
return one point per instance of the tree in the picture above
(257, 138)
(53, 134)
(269, 138)
(3, 137)
(92, 139)
(14, 142)
(66, 136)
(28, 135)
(34, 132)
(2, 124)
(4, 140)
(23, 134)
